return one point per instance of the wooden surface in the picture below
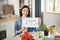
(9, 19)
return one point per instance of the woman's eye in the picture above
(24, 10)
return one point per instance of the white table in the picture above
(35, 34)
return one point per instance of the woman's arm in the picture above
(17, 28)
(22, 29)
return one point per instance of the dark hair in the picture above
(25, 6)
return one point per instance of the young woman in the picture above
(19, 27)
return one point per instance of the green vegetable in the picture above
(45, 28)
(39, 35)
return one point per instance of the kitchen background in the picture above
(8, 18)
(43, 10)
(51, 13)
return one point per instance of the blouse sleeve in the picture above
(17, 27)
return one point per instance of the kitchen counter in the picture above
(14, 17)
(35, 34)
(8, 25)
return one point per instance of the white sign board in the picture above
(30, 22)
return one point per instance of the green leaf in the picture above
(45, 28)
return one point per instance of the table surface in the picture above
(35, 34)
(49, 37)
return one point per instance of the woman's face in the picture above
(25, 11)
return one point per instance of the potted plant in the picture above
(46, 30)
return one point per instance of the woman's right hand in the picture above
(23, 28)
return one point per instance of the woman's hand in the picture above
(20, 35)
(39, 21)
(23, 28)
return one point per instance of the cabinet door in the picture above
(10, 30)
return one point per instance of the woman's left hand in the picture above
(39, 21)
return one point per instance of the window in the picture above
(50, 6)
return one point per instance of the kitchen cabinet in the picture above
(9, 27)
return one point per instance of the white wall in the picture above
(15, 3)
(51, 19)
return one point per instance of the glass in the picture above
(52, 30)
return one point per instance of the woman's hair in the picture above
(25, 6)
